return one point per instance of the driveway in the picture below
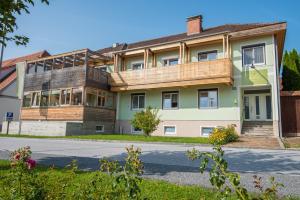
(166, 161)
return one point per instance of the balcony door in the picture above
(257, 107)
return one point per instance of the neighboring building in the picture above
(201, 79)
(9, 101)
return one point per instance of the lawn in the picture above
(126, 137)
(151, 189)
(292, 142)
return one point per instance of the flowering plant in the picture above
(22, 158)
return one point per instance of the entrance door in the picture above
(257, 107)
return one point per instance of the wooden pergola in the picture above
(84, 57)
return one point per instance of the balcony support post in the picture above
(146, 58)
(180, 53)
(224, 51)
(116, 62)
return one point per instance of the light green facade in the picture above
(188, 104)
(230, 97)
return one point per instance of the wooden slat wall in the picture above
(290, 115)
(68, 113)
(221, 68)
(99, 114)
(64, 78)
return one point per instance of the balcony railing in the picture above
(196, 73)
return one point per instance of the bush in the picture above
(223, 135)
(146, 120)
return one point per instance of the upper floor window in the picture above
(208, 55)
(138, 101)
(253, 55)
(137, 66)
(170, 100)
(170, 61)
(208, 98)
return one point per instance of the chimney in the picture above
(194, 25)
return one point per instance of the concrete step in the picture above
(257, 128)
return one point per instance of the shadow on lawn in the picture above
(162, 163)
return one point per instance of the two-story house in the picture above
(200, 79)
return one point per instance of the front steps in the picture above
(257, 128)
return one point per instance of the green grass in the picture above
(152, 189)
(126, 137)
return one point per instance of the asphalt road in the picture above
(166, 161)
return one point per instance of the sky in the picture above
(67, 25)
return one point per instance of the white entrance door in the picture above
(257, 107)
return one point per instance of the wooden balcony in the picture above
(182, 75)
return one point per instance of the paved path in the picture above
(165, 161)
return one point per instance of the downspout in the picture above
(277, 85)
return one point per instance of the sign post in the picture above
(8, 117)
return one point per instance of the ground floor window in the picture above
(170, 100)
(54, 97)
(138, 101)
(208, 98)
(169, 130)
(65, 96)
(36, 96)
(206, 131)
(136, 130)
(91, 97)
(99, 128)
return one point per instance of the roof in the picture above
(8, 71)
(14, 61)
(227, 28)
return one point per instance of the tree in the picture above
(146, 120)
(291, 71)
(9, 10)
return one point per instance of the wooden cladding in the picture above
(68, 113)
(197, 73)
(66, 78)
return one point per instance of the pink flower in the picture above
(30, 163)
(17, 156)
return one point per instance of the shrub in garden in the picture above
(220, 176)
(223, 135)
(146, 120)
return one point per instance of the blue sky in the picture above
(67, 25)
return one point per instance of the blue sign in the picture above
(9, 116)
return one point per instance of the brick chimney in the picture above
(194, 25)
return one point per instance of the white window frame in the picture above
(207, 52)
(135, 132)
(100, 131)
(201, 132)
(137, 63)
(131, 100)
(162, 100)
(168, 133)
(218, 98)
(252, 47)
(168, 61)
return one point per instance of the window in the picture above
(103, 69)
(54, 97)
(91, 98)
(30, 68)
(206, 131)
(209, 55)
(136, 130)
(109, 100)
(26, 100)
(170, 61)
(44, 98)
(137, 101)
(65, 96)
(77, 97)
(100, 129)
(254, 55)
(35, 99)
(169, 130)
(101, 98)
(137, 66)
(208, 98)
(170, 100)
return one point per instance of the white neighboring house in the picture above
(9, 101)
